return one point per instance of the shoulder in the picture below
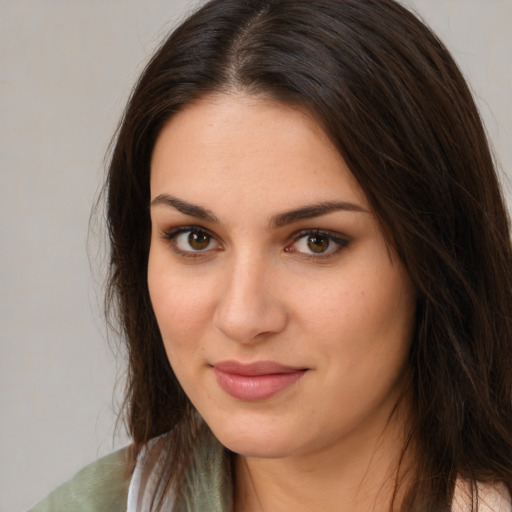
(491, 497)
(101, 486)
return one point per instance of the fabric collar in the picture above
(208, 483)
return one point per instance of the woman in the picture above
(310, 259)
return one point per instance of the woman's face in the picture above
(285, 316)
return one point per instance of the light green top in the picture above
(103, 485)
(100, 487)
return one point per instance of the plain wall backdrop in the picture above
(67, 67)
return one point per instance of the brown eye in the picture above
(191, 240)
(318, 243)
(198, 240)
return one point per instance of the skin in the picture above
(259, 290)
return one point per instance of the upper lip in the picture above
(256, 368)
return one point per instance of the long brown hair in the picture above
(393, 101)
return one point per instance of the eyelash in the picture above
(171, 236)
(336, 238)
(341, 242)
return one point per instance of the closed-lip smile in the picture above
(255, 381)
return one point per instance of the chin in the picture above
(256, 442)
(260, 449)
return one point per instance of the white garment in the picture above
(134, 491)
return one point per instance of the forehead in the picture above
(252, 148)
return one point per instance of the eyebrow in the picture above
(279, 220)
(314, 210)
(193, 210)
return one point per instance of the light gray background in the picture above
(66, 68)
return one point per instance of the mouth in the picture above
(257, 381)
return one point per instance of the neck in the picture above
(353, 476)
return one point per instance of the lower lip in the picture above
(254, 388)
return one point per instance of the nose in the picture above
(248, 308)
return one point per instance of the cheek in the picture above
(366, 334)
(368, 311)
(182, 307)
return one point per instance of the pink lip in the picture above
(256, 381)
